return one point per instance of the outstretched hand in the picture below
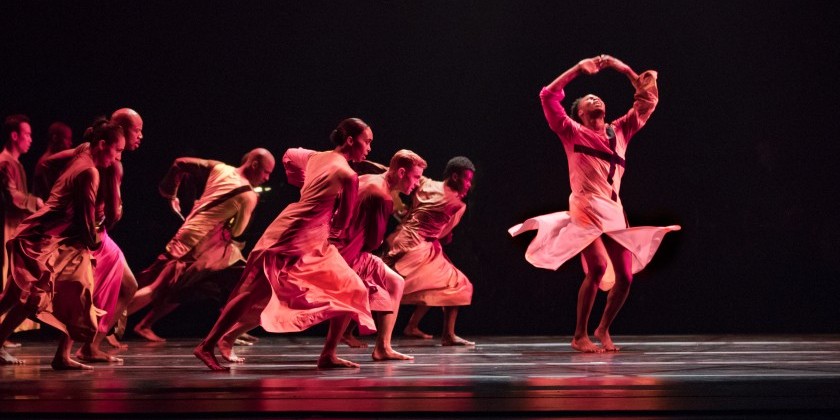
(590, 66)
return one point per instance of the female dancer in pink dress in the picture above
(50, 255)
(294, 277)
(595, 225)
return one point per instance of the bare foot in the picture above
(8, 359)
(91, 355)
(335, 362)
(10, 345)
(455, 341)
(585, 345)
(241, 342)
(380, 355)
(416, 333)
(228, 354)
(59, 363)
(249, 337)
(209, 359)
(353, 342)
(113, 342)
(148, 334)
(606, 341)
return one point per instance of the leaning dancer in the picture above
(204, 244)
(51, 268)
(366, 233)
(416, 252)
(294, 278)
(595, 225)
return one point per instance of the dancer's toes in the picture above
(148, 334)
(380, 355)
(416, 333)
(335, 362)
(226, 349)
(353, 342)
(115, 343)
(585, 345)
(606, 341)
(454, 340)
(209, 359)
(60, 363)
(8, 359)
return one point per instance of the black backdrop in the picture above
(741, 151)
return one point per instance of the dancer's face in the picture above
(134, 134)
(361, 145)
(462, 182)
(410, 179)
(106, 154)
(23, 137)
(591, 104)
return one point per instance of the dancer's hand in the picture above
(590, 66)
(175, 205)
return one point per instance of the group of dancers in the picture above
(320, 259)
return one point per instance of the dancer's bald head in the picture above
(257, 165)
(132, 125)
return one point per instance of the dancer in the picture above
(366, 233)
(51, 269)
(204, 244)
(115, 284)
(60, 138)
(17, 202)
(595, 225)
(416, 252)
(294, 277)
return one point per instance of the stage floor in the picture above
(652, 376)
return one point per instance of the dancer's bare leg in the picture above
(413, 327)
(622, 261)
(92, 352)
(62, 360)
(229, 340)
(7, 301)
(15, 315)
(128, 288)
(249, 296)
(450, 315)
(384, 328)
(351, 340)
(595, 256)
(329, 359)
(158, 311)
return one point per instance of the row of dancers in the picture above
(317, 262)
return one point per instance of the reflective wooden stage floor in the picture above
(652, 377)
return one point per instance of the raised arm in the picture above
(588, 66)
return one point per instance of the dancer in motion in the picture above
(15, 200)
(366, 233)
(416, 252)
(595, 225)
(294, 278)
(204, 244)
(51, 268)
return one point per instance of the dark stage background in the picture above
(741, 152)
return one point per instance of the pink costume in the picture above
(204, 242)
(364, 234)
(50, 257)
(596, 165)
(416, 252)
(309, 279)
(110, 261)
(17, 204)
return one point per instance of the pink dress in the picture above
(50, 257)
(364, 234)
(415, 249)
(310, 280)
(596, 165)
